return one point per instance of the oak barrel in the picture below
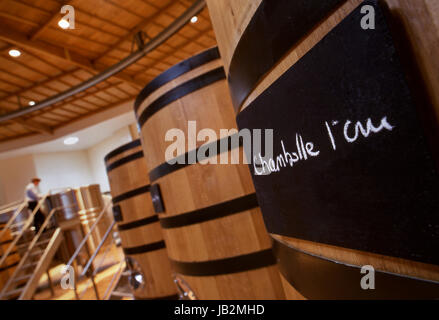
(139, 229)
(90, 204)
(262, 43)
(212, 225)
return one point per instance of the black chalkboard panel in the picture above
(361, 175)
(274, 28)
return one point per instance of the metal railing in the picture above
(29, 249)
(17, 211)
(104, 238)
(9, 206)
(92, 257)
(26, 226)
(84, 240)
(91, 274)
(113, 280)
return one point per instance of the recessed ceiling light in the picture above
(31, 103)
(71, 140)
(14, 53)
(63, 23)
(194, 19)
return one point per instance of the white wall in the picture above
(59, 169)
(63, 169)
(15, 174)
(97, 153)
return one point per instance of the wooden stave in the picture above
(155, 264)
(230, 24)
(127, 172)
(228, 37)
(206, 286)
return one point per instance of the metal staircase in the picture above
(36, 251)
(114, 290)
(27, 254)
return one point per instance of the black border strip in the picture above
(320, 278)
(180, 91)
(216, 211)
(123, 148)
(145, 248)
(125, 160)
(241, 263)
(274, 29)
(176, 71)
(170, 297)
(131, 194)
(138, 223)
(166, 168)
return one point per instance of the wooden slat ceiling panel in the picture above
(103, 36)
(20, 70)
(17, 128)
(45, 121)
(83, 44)
(47, 5)
(21, 15)
(5, 133)
(108, 11)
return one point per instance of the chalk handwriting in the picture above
(305, 150)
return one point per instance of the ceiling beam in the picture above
(136, 29)
(61, 54)
(20, 39)
(49, 21)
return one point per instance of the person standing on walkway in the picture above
(32, 196)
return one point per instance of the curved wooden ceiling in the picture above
(54, 59)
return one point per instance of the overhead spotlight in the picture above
(64, 24)
(71, 140)
(31, 103)
(14, 53)
(194, 19)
